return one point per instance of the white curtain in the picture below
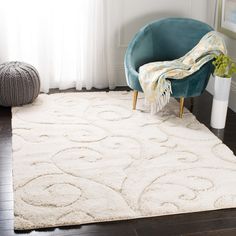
(64, 39)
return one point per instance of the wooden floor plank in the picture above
(7, 188)
(6, 215)
(222, 232)
(6, 197)
(5, 180)
(185, 228)
(7, 173)
(6, 224)
(6, 205)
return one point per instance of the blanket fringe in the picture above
(162, 98)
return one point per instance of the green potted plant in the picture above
(225, 68)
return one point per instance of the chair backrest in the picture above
(174, 37)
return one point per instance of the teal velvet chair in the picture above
(165, 40)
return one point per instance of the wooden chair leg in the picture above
(135, 98)
(181, 108)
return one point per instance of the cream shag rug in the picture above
(87, 157)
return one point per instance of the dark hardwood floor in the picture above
(212, 223)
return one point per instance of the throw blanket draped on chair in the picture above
(153, 76)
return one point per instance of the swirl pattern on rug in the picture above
(87, 157)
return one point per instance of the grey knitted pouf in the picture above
(19, 84)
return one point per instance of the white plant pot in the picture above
(220, 102)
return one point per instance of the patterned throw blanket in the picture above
(153, 76)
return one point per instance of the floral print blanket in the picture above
(154, 76)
